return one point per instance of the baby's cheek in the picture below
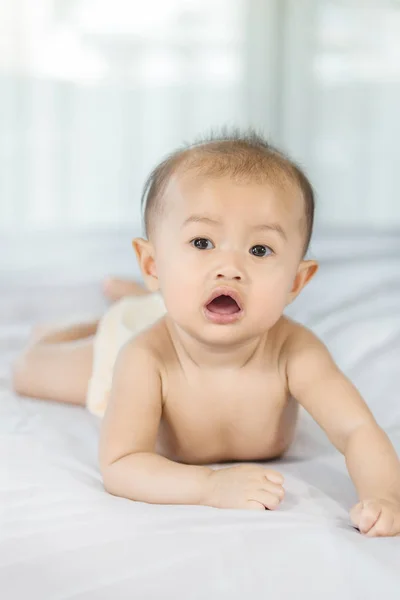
(177, 291)
(269, 302)
(269, 313)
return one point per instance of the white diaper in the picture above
(125, 319)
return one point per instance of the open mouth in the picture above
(223, 307)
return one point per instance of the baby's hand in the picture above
(245, 486)
(377, 518)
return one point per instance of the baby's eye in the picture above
(260, 250)
(202, 244)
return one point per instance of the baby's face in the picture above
(239, 242)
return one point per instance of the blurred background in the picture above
(93, 93)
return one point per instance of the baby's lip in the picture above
(225, 291)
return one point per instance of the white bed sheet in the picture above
(62, 536)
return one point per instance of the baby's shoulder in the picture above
(300, 350)
(153, 342)
(297, 339)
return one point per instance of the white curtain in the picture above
(341, 106)
(94, 92)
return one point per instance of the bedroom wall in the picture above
(93, 93)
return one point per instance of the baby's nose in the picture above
(230, 272)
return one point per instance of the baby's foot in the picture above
(115, 288)
(39, 331)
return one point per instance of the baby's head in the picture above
(228, 214)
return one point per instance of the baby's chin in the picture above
(223, 335)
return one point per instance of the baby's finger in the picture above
(274, 476)
(273, 488)
(254, 505)
(369, 515)
(383, 526)
(355, 514)
(270, 501)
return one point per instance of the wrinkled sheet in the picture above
(62, 536)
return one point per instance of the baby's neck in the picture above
(211, 356)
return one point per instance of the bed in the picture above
(63, 537)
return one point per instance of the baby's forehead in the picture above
(190, 191)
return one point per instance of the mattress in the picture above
(63, 537)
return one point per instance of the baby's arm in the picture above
(132, 469)
(334, 402)
(129, 464)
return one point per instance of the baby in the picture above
(207, 368)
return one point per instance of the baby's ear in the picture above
(305, 273)
(145, 255)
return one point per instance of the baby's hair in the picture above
(243, 156)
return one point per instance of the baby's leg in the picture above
(57, 365)
(115, 288)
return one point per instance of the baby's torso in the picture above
(236, 418)
(213, 415)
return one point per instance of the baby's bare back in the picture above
(223, 414)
